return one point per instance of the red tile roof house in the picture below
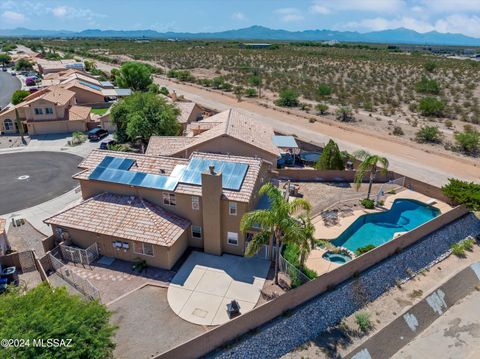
(153, 207)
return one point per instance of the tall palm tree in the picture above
(370, 163)
(306, 240)
(278, 222)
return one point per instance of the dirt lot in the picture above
(344, 338)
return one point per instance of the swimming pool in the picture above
(379, 228)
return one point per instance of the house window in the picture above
(195, 203)
(197, 232)
(169, 199)
(232, 208)
(49, 111)
(38, 111)
(232, 238)
(8, 124)
(143, 248)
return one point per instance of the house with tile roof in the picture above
(228, 132)
(50, 110)
(154, 207)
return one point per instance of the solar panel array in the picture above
(116, 170)
(233, 173)
(95, 87)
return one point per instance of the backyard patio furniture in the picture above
(233, 309)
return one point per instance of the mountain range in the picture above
(395, 36)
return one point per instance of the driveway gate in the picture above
(78, 255)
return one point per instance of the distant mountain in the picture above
(396, 36)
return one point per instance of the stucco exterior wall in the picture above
(86, 97)
(46, 127)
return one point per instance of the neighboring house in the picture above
(229, 132)
(50, 110)
(48, 66)
(153, 208)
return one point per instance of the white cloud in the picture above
(13, 17)
(457, 23)
(59, 11)
(289, 14)
(239, 16)
(68, 12)
(382, 6)
(449, 6)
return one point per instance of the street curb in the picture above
(412, 322)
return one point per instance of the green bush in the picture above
(428, 134)
(427, 86)
(363, 321)
(288, 98)
(462, 192)
(430, 106)
(468, 244)
(458, 249)
(250, 92)
(367, 203)
(364, 249)
(331, 158)
(344, 114)
(430, 66)
(324, 90)
(468, 141)
(18, 96)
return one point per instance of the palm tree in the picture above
(306, 240)
(278, 222)
(369, 163)
(19, 124)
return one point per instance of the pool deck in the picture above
(321, 265)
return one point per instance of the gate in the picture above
(78, 255)
(27, 261)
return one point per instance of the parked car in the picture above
(32, 89)
(97, 134)
(29, 81)
(13, 73)
(104, 144)
(4, 69)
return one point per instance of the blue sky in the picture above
(458, 16)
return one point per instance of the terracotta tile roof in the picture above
(168, 146)
(186, 109)
(75, 113)
(54, 94)
(76, 83)
(153, 164)
(231, 123)
(125, 217)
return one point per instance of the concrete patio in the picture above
(205, 284)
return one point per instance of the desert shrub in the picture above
(462, 192)
(430, 106)
(288, 98)
(363, 321)
(468, 244)
(321, 108)
(468, 141)
(324, 90)
(367, 203)
(427, 86)
(364, 249)
(430, 66)
(344, 113)
(397, 131)
(164, 91)
(428, 134)
(250, 92)
(458, 249)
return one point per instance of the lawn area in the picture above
(99, 111)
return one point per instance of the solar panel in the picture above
(95, 87)
(233, 173)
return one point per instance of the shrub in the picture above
(397, 131)
(250, 92)
(462, 192)
(468, 244)
(427, 86)
(331, 158)
(430, 66)
(363, 321)
(217, 82)
(367, 203)
(164, 91)
(428, 134)
(430, 106)
(324, 90)
(468, 141)
(344, 113)
(288, 98)
(321, 108)
(364, 249)
(458, 249)
(18, 96)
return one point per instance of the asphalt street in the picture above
(8, 85)
(30, 178)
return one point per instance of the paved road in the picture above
(8, 85)
(49, 175)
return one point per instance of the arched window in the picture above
(8, 124)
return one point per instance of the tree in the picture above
(48, 313)
(239, 91)
(322, 108)
(306, 239)
(113, 75)
(154, 88)
(217, 82)
(134, 75)
(468, 141)
(278, 222)
(331, 158)
(143, 115)
(427, 86)
(370, 163)
(288, 98)
(164, 91)
(18, 96)
(344, 113)
(23, 65)
(5, 59)
(430, 106)
(256, 81)
(462, 192)
(324, 91)
(428, 134)
(89, 65)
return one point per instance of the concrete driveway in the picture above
(30, 178)
(8, 85)
(205, 283)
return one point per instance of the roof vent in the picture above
(212, 169)
(162, 170)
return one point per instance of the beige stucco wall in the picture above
(41, 128)
(163, 257)
(86, 97)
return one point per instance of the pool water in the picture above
(379, 228)
(336, 257)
